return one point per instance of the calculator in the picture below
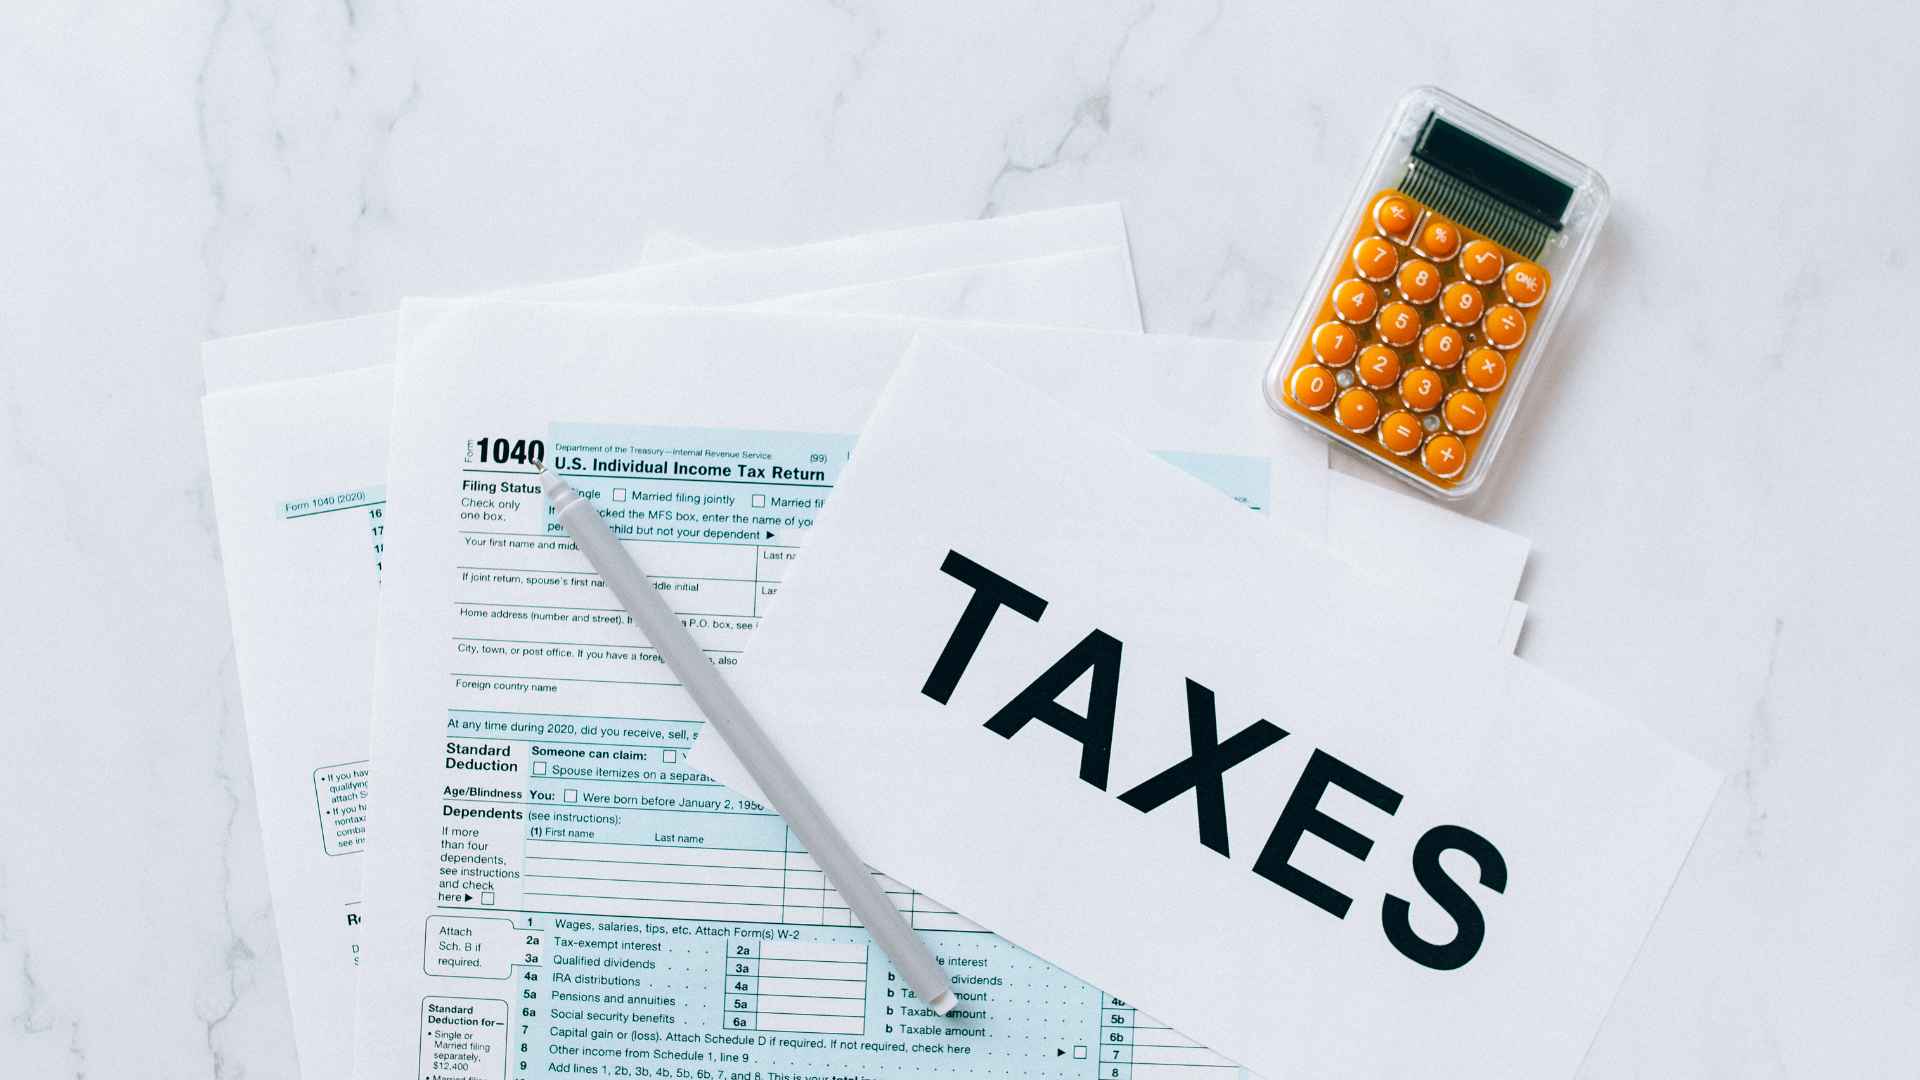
(1432, 307)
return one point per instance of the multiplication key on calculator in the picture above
(1431, 309)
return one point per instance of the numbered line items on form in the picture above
(370, 503)
(774, 985)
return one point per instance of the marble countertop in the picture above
(1714, 475)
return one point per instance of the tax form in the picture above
(299, 467)
(552, 886)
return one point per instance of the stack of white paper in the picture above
(497, 847)
(1423, 858)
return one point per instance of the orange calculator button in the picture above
(1335, 343)
(1420, 388)
(1461, 304)
(1506, 328)
(1419, 281)
(1441, 346)
(1394, 216)
(1312, 386)
(1444, 456)
(1357, 409)
(1439, 239)
(1400, 432)
(1486, 370)
(1399, 324)
(1465, 411)
(1354, 301)
(1481, 262)
(1379, 366)
(1374, 258)
(1524, 284)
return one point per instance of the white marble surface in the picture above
(1715, 476)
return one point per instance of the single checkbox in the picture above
(759, 501)
(572, 795)
(539, 768)
(486, 899)
(669, 756)
(1080, 1052)
(619, 494)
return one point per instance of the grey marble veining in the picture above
(1714, 472)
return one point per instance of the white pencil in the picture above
(743, 735)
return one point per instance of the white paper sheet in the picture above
(299, 471)
(1463, 900)
(1467, 564)
(951, 294)
(744, 277)
(739, 278)
(1016, 293)
(1510, 640)
(694, 381)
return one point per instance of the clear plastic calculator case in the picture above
(1431, 311)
